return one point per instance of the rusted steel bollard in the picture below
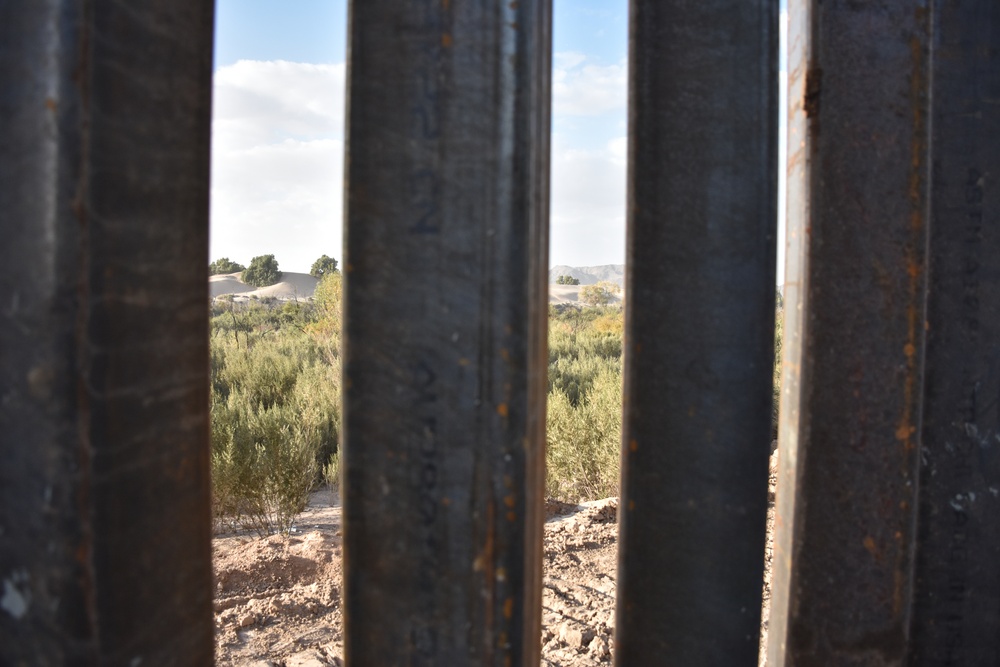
(446, 306)
(699, 331)
(105, 527)
(887, 532)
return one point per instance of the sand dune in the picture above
(301, 286)
(564, 293)
(571, 294)
(292, 286)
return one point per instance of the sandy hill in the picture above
(588, 275)
(301, 285)
(291, 287)
(571, 294)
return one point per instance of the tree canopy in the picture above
(263, 271)
(567, 280)
(224, 265)
(323, 266)
(600, 294)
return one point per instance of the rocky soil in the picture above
(277, 599)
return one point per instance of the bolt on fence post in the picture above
(699, 330)
(444, 356)
(105, 524)
(887, 531)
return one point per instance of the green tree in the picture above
(599, 294)
(263, 271)
(323, 266)
(567, 280)
(224, 265)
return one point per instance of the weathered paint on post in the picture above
(446, 305)
(104, 491)
(699, 337)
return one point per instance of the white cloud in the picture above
(580, 88)
(565, 60)
(587, 215)
(277, 161)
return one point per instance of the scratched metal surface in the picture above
(699, 346)
(104, 490)
(858, 223)
(446, 306)
(956, 617)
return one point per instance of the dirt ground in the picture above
(277, 599)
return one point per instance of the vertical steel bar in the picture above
(104, 490)
(956, 616)
(446, 306)
(699, 341)
(853, 358)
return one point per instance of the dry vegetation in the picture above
(275, 438)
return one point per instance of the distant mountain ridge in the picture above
(588, 275)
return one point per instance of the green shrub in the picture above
(323, 266)
(584, 440)
(223, 265)
(275, 427)
(263, 465)
(580, 348)
(600, 294)
(263, 271)
(331, 472)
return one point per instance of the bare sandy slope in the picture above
(291, 286)
(564, 294)
(277, 599)
(302, 286)
(570, 294)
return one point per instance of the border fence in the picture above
(887, 546)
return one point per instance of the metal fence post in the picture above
(699, 330)
(888, 534)
(446, 307)
(956, 616)
(104, 495)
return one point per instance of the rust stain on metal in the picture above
(918, 146)
(907, 429)
(503, 410)
(814, 86)
(872, 548)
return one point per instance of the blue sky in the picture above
(278, 130)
